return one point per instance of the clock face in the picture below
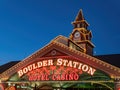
(77, 34)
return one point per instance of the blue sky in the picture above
(28, 25)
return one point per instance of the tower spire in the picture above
(79, 16)
(79, 21)
(81, 35)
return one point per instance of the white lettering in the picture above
(30, 67)
(39, 64)
(25, 70)
(34, 66)
(91, 71)
(80, 66)
(45, 63)
(20, 73)
(50, 62)
(65, 62)
(59, 61)
(69, 64)
(75, 64)
(85, 68)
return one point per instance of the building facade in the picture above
(63, 64)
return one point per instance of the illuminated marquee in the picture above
(59, 69)
(1, 87)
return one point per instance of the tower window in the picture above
(81, 25)
(87, 37)
(78, 25)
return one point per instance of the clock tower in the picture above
(81, 35)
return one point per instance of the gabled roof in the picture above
(113, 59)
(8, 65)
(60, 44)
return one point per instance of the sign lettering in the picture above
(59, 69)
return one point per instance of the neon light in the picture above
(54, 73)
(62, 77)
(11, 88)
(75, 64)
(54, 77)
(35, 66)
(85, 68)
(43, 77)
(1, 87)
(53, 64)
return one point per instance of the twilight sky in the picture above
(28, 25)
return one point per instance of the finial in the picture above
(79, 16)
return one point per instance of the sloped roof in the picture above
(8, 65)
(113, 59)
(60, 39)
(60, 44)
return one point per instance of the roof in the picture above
(59, 44)
(60, 39)
(7, 66)
(113, 59)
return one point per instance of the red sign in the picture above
(58, 69)
(1, 87)
(54, 73)
(54, 77)
(118, 88)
